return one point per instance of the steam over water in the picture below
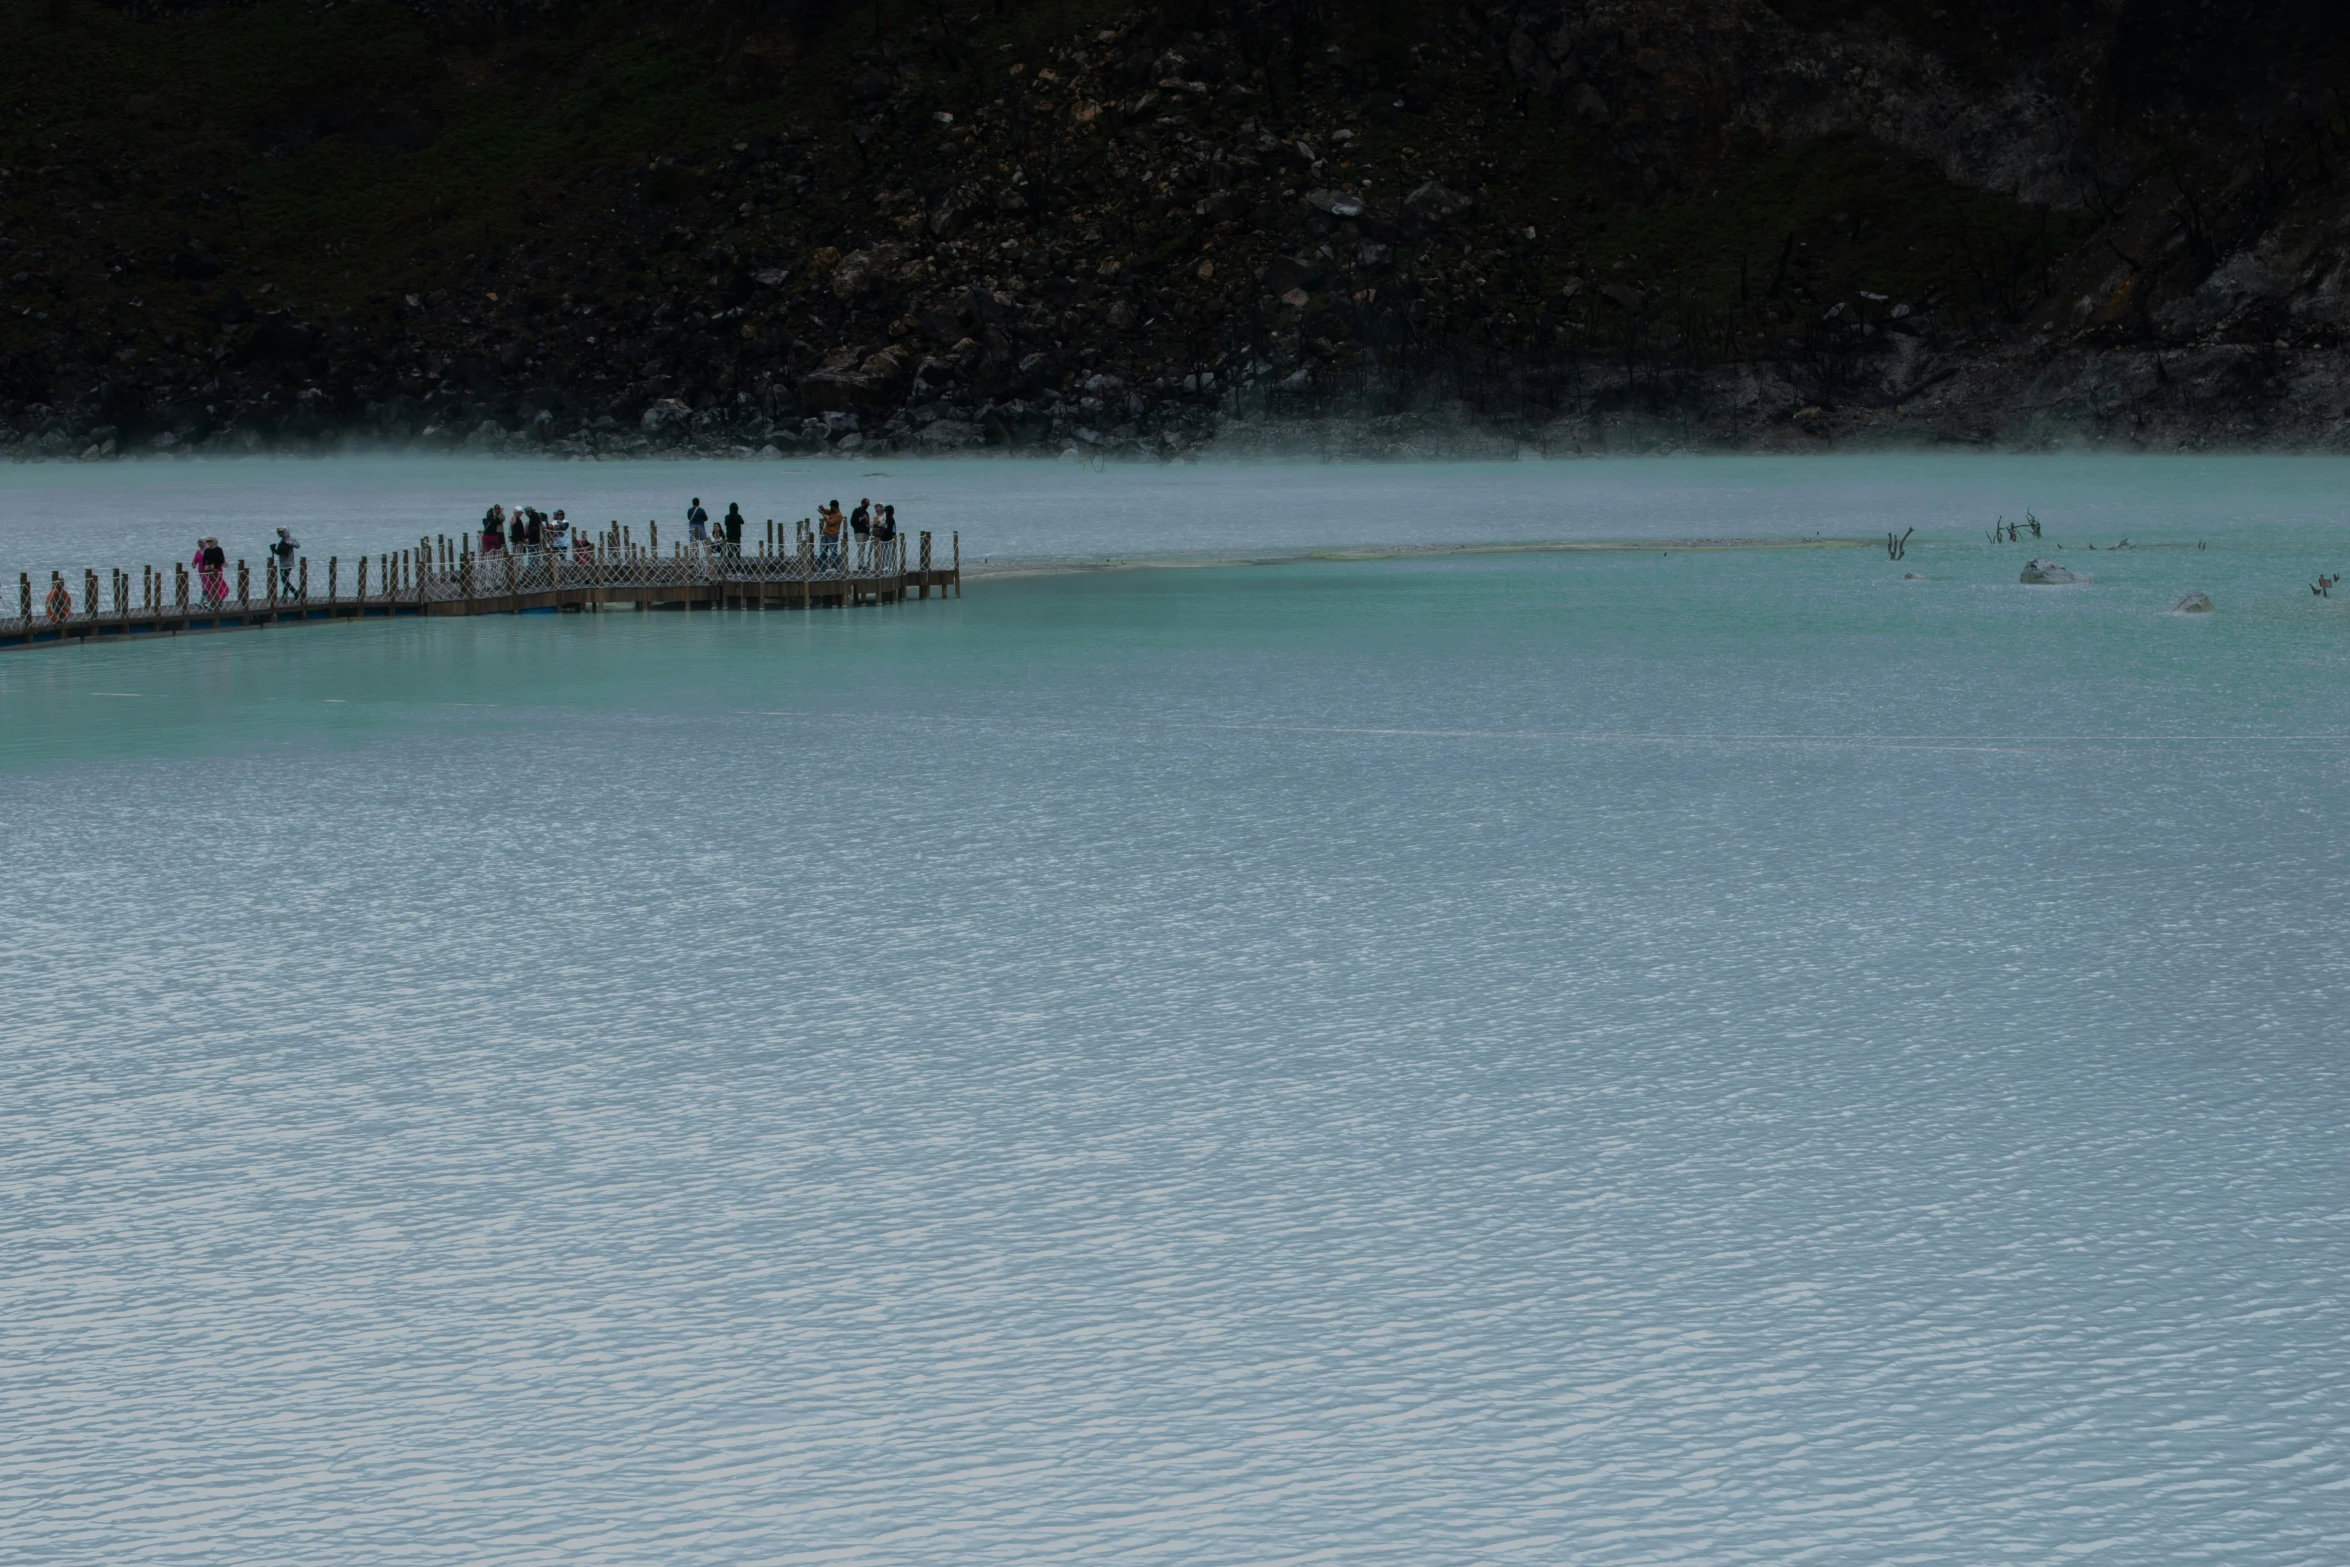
(1722, 1056)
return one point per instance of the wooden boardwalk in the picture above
(445, 578)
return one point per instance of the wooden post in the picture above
(302, 592)
(513, 592)
(360, 588)
(958, 563)
(179, 586)
(465, 580)
(334, 567)
(244, 585)
(926, 563)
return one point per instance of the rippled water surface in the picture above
(1627, 1056)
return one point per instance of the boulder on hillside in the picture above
(872, 384)
(946, 435)
(2048, 573)
(1435, 203)
(1285, 273)
(861, 271)
(195, 262)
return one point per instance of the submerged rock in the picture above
(2197, 603)
(2047, 572)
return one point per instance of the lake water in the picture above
(1642, 1055)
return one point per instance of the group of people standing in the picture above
(211, 563)
(529, 531)
(729, 531)
(869, 524)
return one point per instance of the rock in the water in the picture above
(2048, 572)
(2198, 603)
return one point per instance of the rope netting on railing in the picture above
(448, 570)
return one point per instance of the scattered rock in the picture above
(869, 385)
(2048, 573)
(861, 271)
(1287, 274)
(1434, 203)
(195, 262)
(2196, 603)
(948, 435)
(1337, 203)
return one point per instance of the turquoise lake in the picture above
(1735, 1055)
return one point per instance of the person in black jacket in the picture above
(734, 528)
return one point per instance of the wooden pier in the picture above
(445, 577)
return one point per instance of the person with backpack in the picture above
(283, 552)
(697, 524)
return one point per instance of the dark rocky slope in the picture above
(1386, 229)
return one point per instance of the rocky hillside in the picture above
(1393, 227)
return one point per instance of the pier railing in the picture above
(449, 577)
